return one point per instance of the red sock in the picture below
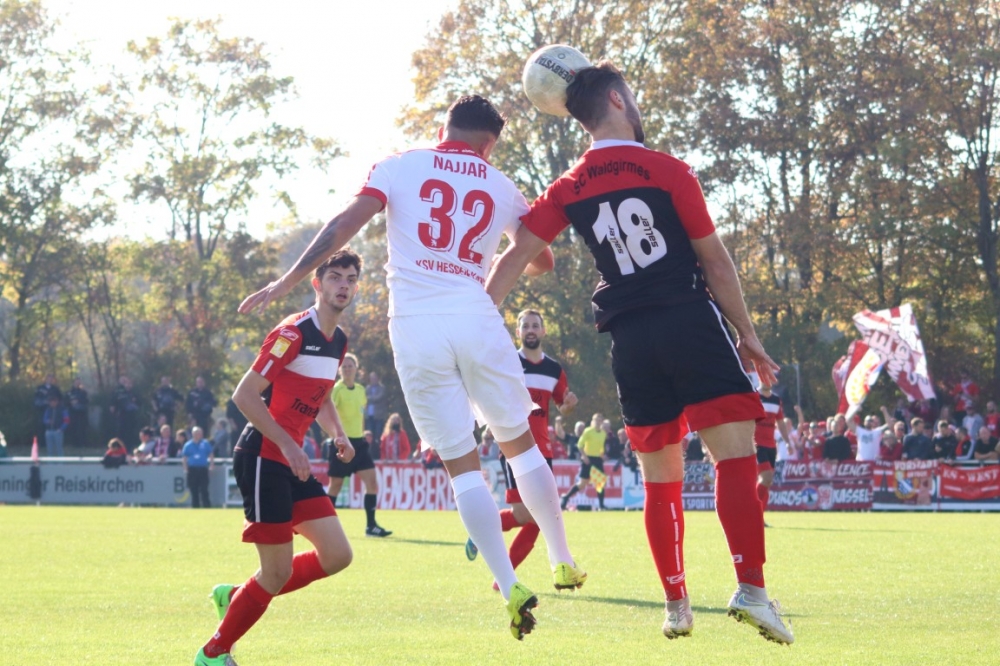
(523, 543)
(305, 569)
(763, 493)
(507, 520)
(742, 519)
(664, 516)
(247, 605)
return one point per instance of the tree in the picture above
(44, 206)
(199, 114)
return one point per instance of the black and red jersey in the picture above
(764, 431)
(545, 381)
(301, 363)
(637, 210)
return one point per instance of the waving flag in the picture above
(854, 375)
(893, 335)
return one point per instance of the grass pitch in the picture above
(129, 586)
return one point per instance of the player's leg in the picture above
(369, 477)
(332, 553)
(765, 476)
(249, 602)
(439, 406)
(527, 535)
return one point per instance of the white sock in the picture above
(540, 495)
(481, 518)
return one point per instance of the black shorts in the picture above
(513, 494)
(766, 457)
(595, 463)
(274, 499)
(361, 461)
(667, 358)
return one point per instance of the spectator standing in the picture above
(946, 415)
(991, 419)
(787, 448)
(378, 403)
(837, 447)
(612, 445)
(78, 403)
(198, 462)
(891, 447)
(43, 392)
(55, 421)
(917, 445)
(870, 435)
(902, 413)
(965, 392)
(199, 404)
(944, 441)
(124, 409)
(973, 420)
(221, 438)
(165, 401)
(812, 450)
(986, 446)
(174, 447)
(964, 446)
(573, 439)
(693, 449)
(116, 454)
(395, 443)
(488, 448)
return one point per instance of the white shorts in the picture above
(455, 370)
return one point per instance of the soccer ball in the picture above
(547, 74)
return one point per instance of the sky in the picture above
(368, 43)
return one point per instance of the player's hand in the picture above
(569, 401)
(750, 349)
(584, 458)
(299, 462)
(345, 451)
(261, 299)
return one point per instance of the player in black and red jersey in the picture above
(767, 445)
(546, 382)
(287, 388)
(667, 281)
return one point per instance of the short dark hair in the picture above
(148, 431)
(477, 114)
(527, 313)
(587, 95)
(340, 259)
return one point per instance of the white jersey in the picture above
(868, 443)
(446, 210)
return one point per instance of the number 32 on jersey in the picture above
(630, 233)
(439, 233)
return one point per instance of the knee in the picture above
(337, 560)
(275, 576)
(521, 514)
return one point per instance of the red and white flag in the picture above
(893, 334)
(854, 374)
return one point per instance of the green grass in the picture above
(129, 586)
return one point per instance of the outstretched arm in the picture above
(724, 284)
(334, 235)
(524, 248)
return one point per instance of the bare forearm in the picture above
(524, 248)
(329, 420)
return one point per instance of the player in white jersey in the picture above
(446, 210)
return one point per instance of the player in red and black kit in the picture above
(767, 446)
(546, 381)
(667, 281)
(287, 388)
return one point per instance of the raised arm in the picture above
(334, 235)
(724, 285)
(524, 248)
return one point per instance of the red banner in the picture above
(905, 482)
(970, 484)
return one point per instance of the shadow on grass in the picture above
(421, 542)
(835, 529)
(631, 602)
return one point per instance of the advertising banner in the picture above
(821, 486)
(88, 482)
(970, 484)
(904, 484)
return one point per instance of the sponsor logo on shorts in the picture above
(279, 347)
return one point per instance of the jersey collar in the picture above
(460, 147)
(613, 143)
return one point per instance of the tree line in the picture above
(847, 150)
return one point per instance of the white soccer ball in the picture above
(547, 74)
